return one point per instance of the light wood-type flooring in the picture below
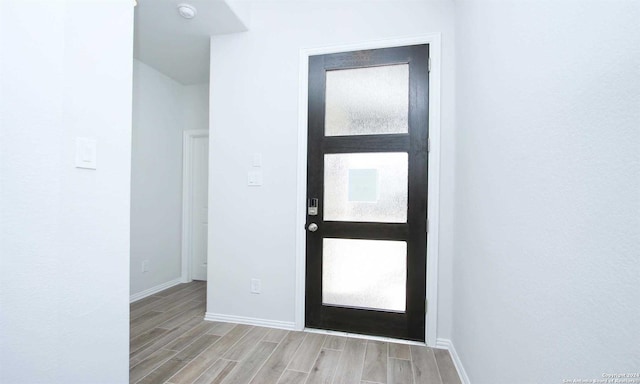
(171, 343)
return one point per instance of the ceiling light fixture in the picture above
(187, 11)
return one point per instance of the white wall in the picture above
(547, 190)
(254, 109)
(195, 102)
(162, 110)
(64, 284)
(156, 178)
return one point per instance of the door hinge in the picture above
(427, 225)
(428, 144)
(426, 305)
(429, 65)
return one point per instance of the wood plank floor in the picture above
(171, 343)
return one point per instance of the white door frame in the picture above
(433, 209)
(188, 138)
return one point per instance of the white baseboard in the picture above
(153, 290)
(288, 325)
(448, 345)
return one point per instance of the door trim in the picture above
(433, 209)
(188, 138)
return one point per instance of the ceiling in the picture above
(178, 47)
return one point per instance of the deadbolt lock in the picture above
(312, 207)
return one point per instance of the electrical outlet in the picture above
(256, 286)
(145, 266)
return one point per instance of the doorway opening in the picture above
(170, 97)
(195, 176)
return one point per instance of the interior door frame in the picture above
(188, 138)
(433, 209)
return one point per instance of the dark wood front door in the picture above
(367, 192)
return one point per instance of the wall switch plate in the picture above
(254, 178)
(145, 266)
(256, 286)
(86, 153)
(257, 160)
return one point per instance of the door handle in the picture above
(312, 227)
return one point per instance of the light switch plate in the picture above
(86, 153)
(257, 160)
(254, 178)
(256, 286)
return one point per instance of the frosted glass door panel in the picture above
(367, 101)
(366, 187)
(364, 274)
